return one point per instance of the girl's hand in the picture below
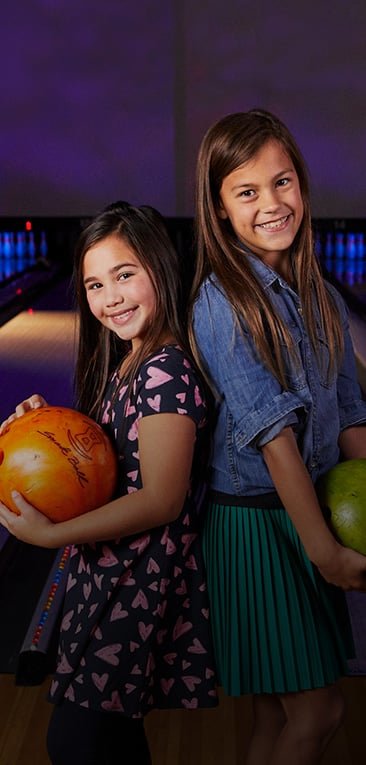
(337, 564)
(346, 569)
(33, 402)
(30, 526)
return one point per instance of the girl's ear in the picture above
(221, 210)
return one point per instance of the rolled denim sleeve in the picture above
(260, 408)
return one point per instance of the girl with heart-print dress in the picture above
(135, 631)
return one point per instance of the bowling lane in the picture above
(37, 352)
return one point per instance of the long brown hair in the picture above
(99, 349)
(228, 144)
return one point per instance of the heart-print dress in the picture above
(135, 633)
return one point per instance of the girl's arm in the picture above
(166, 445)
(338, 565)
(352, 442)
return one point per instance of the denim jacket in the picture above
(253, 407)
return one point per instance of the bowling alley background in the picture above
(103, 101)
(106, 101)
(100, 103)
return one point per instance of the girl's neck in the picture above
(127, 361)
(281, 262)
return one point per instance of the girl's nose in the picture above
(114, 296)
(269, 201)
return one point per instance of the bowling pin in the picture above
(328, 252)
(7, 248)
(20, 244)
(339, 245)
(43, 247)
(360, 245)
(31, 246)
(350, 270)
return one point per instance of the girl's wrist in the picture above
(53, 538)
(325, 552)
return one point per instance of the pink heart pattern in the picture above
(154, 403)
(118, 612)
(100, 681)
(135, 632)
(156, 377)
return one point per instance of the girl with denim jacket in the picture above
(272, 337)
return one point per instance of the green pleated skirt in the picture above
(278, 627)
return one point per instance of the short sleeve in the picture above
(168, 383)
(259, 406)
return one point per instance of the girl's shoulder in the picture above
(211, 286)
(214, 320)
(212, 297)
(170, 352)
(167, 381)
(170, 360)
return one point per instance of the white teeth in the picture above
(124, 313)
(121, 315)
(275, 225)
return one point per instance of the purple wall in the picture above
(107, 100)
(86, 106)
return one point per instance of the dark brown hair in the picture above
(228, 144)
(99, 349)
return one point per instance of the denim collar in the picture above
(265, 274)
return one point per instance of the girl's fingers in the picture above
(7, 422)
(33, 402)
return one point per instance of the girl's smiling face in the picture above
(119, 290)
(262, 200)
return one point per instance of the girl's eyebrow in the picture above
(248, 185)
(112, 271)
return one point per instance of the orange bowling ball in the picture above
(60, 460)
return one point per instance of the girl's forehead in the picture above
(108, 253)
(272, 149)
(111, 246)
(270, 158)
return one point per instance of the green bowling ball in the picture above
(342, 494)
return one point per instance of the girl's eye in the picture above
(124, 275)
(283, 181)
(94, 286)
(247, 193)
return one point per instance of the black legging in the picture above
(79, 736)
